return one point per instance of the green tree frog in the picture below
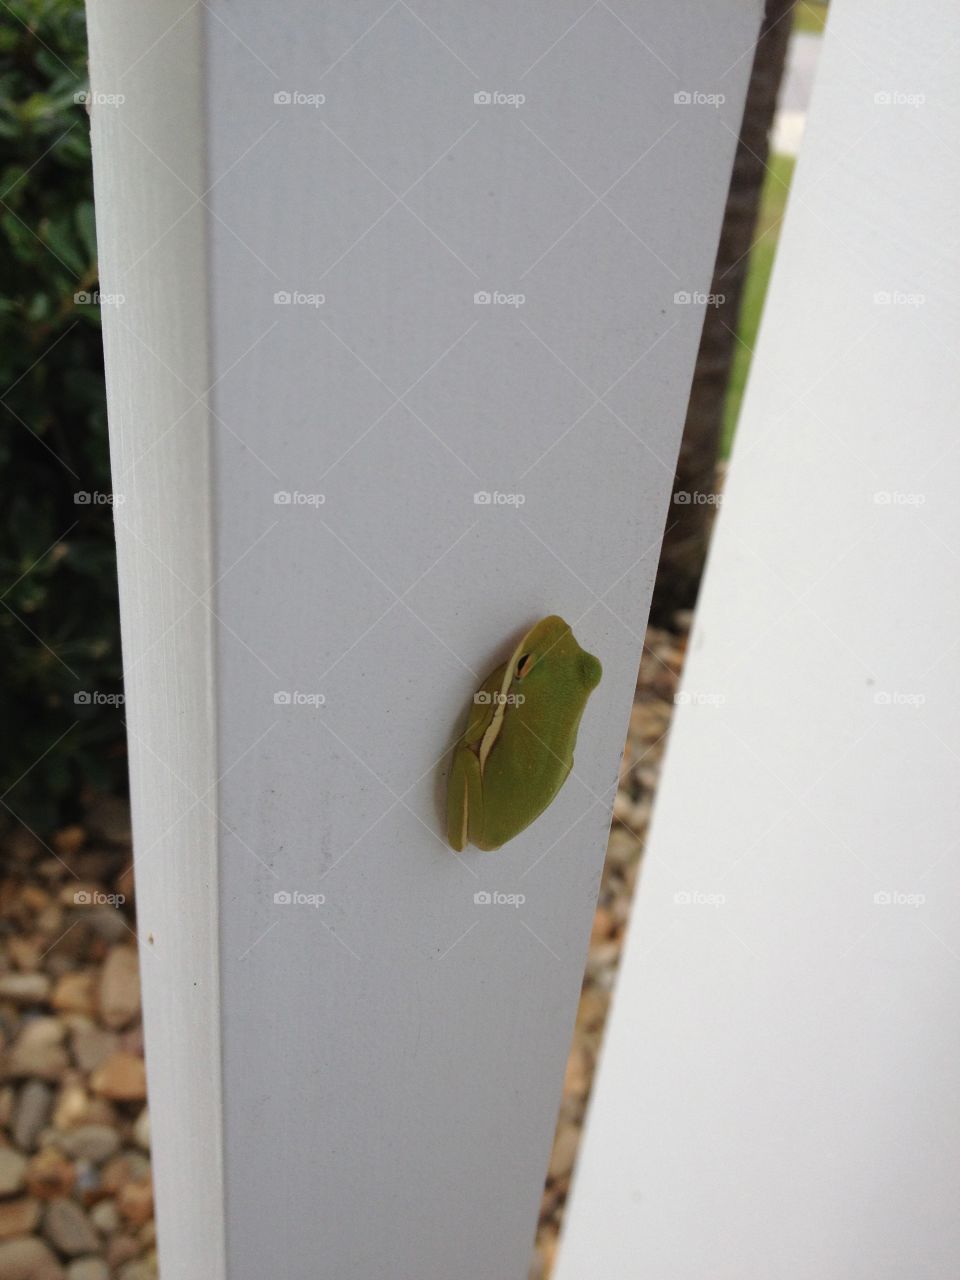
(517, 749)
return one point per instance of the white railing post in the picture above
(777, 1092)
(354, 1066)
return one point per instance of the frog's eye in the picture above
(524, 665)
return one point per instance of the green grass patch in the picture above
(772, 204)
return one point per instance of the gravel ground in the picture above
(660, 668)
(76, 1197)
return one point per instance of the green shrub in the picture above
(59, 635)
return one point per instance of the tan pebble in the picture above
(38, 1050)
(603, 925)
(69, 840)
(122, 1249)
(12, 1168)
(72, 1106)
(564, 1152)
(25, 952)
(49, 1175)
(124, 1169)
(68, 1228)
(105, 1217)
(24, 988)
(135, 1202)
(75, 993)
(19, 1217)
(121, 1077)
(50, 921)
(577, 1078)
(92, 1045)
(28, 1259)
(141, 1130)
(34, 898)
(119, 993)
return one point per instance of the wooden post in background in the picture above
(413, 300)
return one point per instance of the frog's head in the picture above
(549, 651)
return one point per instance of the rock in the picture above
(109, 817)
(127, 1168)
(12, 1169)
(68, 1228)
(88, 1269)
(93, 1142)
(564, 1152)
(73, 1105)
(33, 1108)
(75, 993)
(50, 922)
(89, 1185)
(107, 923)
(18, 1217)
(24, 988)
(39, 1050)
(143, 1269)
(121, 1077)
(34, 898)
(25, 953)
(603, 925)
(121, 1249)
(141, 1129)
(68, 840)
(120, 988)
(135, 1202)
(28, 1259)
(105, 1217)
(49, 1175)
(577, 1078)
(91, 1046)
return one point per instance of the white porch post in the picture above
(778, 1090)
(304, 207)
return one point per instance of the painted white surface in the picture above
(778, 1094)
(152, 254)
(392, 1056)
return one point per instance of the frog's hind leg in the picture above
(464, 800)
